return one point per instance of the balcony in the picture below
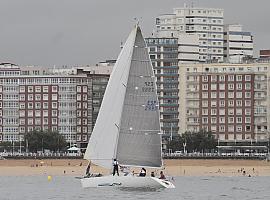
(169, 112)
(168, 97)
(169, 105)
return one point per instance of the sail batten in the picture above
(127, 127)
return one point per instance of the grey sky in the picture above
(70, 32)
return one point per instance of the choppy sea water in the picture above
(69, 188)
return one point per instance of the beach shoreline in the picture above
(172, 167)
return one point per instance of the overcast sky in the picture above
(80, 32)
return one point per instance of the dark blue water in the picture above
(61, 187)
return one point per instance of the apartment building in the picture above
(164, 55)
(230, 100)
(35, 98)
(204, 23)
(237, 43)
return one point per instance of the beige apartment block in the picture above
(230, 100)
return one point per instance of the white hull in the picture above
(126, 182)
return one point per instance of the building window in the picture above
(54, 105)
(54, 113)
(230, 111)
(238, 119)
(213, 104)
(247, 111)
(30, 121)
(213, 95)
(54, 88)
(247, 119)
(248, 129)
(247, 86)
(45, 89)
(239, 78)
(221, 103)
(239, 128)
(205, 95)
(45, 105)
(247, 102)
(205, 78)
(213, 120)
(38, 89)
(221, 111)
(54, 121)
(247, 94)
(22, 89)
(239, 103)
(238, 94)
(205, 86)
(213, 78)
(231, 95)
(231, 128)
(231, 78)
(239, 111)
(239, 86)
(221, 128)
(213, 128)
(222, 95)
(213, 111)
(231, 86)
(30, 97)
(213, 86)
(54, 97)
(204, 111)
(222, 86)
(45, 97)
(30, 89)
(248, 77)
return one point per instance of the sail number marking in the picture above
(151, 105)
(148, 86)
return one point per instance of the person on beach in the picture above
(162, 176)
(142, 172)
(115, 167)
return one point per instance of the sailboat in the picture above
(128, 126)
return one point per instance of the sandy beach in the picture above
(177, 167)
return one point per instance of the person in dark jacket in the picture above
(115, 167)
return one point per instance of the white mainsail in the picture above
(127, 127)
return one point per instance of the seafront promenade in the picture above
(172, 167)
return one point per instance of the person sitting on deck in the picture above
(125, 170)
(142, 172)
(162, 176)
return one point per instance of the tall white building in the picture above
(237, 43)
(205, 23)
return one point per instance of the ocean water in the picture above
(69, 188)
